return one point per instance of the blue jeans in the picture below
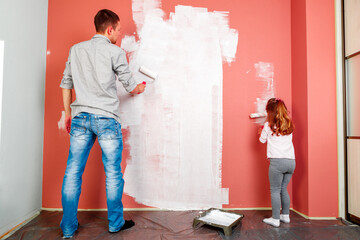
(85, 128)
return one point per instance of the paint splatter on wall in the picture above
(264, 74)
(176, 125)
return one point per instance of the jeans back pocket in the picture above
(108, 128)
(78, 125)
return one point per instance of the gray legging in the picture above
(280, 172)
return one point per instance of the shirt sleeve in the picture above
(67, 81)
(122, 71)
(264, 133)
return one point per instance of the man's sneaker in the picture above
(285, 218)
(68, 237)
(128, 224)
(271, 221)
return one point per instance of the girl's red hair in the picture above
(278, 117)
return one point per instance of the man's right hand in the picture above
(140, 88)
(67, 99)
(68, 123)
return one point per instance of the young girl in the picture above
(277, 132)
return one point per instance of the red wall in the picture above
(265, 34)
(322, 108)
(314, 102)
(299, 104)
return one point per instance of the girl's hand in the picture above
(260, 130)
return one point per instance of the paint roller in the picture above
(148, 72)
(257, 115)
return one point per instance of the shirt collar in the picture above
(101, 36)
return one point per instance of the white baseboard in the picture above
(237, 209)
(12, 227)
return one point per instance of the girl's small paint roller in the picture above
(257, 115)
(148, 72)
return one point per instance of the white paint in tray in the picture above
(220, 217)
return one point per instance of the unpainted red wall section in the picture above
(315, 181)
(323, 175)
(299, 104)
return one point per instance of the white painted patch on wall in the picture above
(144, 8)
(265, 74)
(176, 124)
(61, 122)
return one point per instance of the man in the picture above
(92, 69)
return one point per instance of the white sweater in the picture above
(277, 146)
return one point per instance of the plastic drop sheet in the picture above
(166, 225)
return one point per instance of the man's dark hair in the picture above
(105, 18)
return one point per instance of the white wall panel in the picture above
(352, 26)
(23, 28)
(353, 146)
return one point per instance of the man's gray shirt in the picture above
(91, 69)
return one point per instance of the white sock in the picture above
(271, 221)
(285, 218)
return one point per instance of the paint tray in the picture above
(218, 218)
